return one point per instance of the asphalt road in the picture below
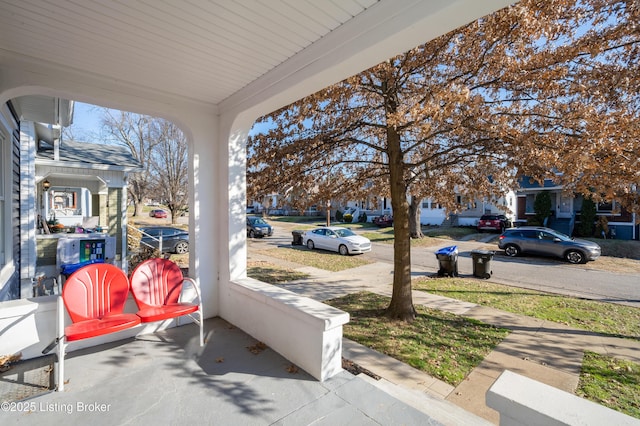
(536, 273)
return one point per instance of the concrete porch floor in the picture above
(167, 378)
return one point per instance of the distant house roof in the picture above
(90, 155)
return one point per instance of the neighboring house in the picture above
(566, 210)
(431, 213)
(70, 184)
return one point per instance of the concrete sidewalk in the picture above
(547, 352)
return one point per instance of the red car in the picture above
(383, 221)
(493, 222)
(158, 213)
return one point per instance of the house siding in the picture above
(14, 281)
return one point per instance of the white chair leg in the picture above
(201, 330)
(62, 344)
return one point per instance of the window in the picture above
(530, 200)
(605, 207)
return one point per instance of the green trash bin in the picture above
(482, 263)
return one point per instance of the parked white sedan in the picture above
(336, 238)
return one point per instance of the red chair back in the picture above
(156, 282)
(94, 291)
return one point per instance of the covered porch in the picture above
(212, 68)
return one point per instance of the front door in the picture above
(565, 205)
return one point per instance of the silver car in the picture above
(336, 238)
(549, 242)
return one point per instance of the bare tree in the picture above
(136, 132)
(170, 167)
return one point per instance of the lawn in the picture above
(600, 317)
(320, 259)
(269, 273)
(611, 382)
(441, 344)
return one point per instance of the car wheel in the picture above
(182, 248)
(343, 250)
(252, 234)
(511, 250)
(575, 257)
(310, 245)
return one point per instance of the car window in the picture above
(530, 234)
(547, 236)
(344, 232)
(319, 231)
(152, 231)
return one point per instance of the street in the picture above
(536, 273)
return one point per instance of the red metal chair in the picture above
(156, 285)
(94, 297)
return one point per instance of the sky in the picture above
(87, 125)
(86, 122)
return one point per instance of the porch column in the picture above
(208, 214)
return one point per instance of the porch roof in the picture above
(89, 155)
(220, 52)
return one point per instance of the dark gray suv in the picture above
(547, 242)
(258, 227)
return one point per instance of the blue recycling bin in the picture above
(70, 268)
(447, 261)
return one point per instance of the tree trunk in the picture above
(415, 228)
(137, 207)
(401, 306)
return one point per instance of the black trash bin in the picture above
(448, 261)
(482, 263)
(297, 238)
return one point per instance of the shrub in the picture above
(339, 215)
(363, 217)
(542, 206)
(347, 218)
(587, 218)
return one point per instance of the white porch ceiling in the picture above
(204, 50)
(219, 51)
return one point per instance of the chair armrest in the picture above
(195, 286)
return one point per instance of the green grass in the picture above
(432, 236)
(441, 344)
(611, 382)
(599, 317)
(273, 274)
(294, 219)
(317, 258)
